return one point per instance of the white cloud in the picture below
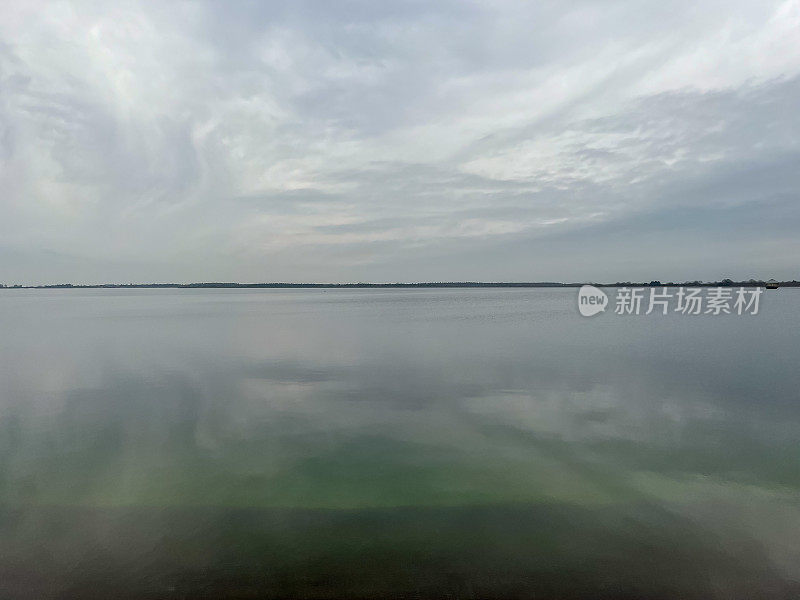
(222, 141)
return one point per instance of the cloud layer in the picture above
(398, 141)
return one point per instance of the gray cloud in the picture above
(398, 141)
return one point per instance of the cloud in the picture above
(397, 140)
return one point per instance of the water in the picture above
(461, 443)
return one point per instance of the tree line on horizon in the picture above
(434, 284)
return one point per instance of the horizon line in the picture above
(428, 284)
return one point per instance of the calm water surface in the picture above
(463, 443)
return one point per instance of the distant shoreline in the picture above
(445, 284)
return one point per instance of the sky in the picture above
(393, 141)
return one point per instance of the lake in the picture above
(383, 443)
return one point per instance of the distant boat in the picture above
(772, 284)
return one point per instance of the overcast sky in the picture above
(399, 141)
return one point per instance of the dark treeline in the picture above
(433, 284)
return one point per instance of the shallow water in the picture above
(394, 442)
